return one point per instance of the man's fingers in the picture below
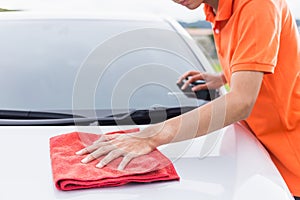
(199, 87)
(110, 157)
(91, 148)
(192, 79)
(125, 161)
(105, 138)
(97, 144)
(88, 159)
(187, 74)
(96, 154)
(196, 77)
(82, 152)
(124, 146)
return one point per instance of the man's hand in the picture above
(114, 146)
(213, 81)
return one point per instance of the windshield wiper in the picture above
(140, 117)
(134, 117)
(34, 115)
(39, 118)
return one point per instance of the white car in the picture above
(99, 73)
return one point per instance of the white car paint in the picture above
(233, 167)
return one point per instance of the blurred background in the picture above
(192, 20)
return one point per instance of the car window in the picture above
(43, 62)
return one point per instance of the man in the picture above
(258, 47)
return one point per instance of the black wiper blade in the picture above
(34, 115)
(139, 117)
(133, 117)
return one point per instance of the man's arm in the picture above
(225, 110)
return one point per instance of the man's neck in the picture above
(213, 3)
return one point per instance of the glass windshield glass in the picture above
(92, 64)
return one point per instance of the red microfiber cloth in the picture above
(70, 174)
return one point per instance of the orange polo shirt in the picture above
(261, 35)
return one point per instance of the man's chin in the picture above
(191, 7)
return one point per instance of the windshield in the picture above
(92, 64)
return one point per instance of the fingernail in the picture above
(120, 168)
(99, 165)
(79, 152)
(85, 160)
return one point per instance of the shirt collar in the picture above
(224, 11)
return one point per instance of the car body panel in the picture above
(230, 164)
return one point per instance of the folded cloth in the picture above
(70, 174)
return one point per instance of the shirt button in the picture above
(217, 31)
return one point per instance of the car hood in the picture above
(229, 164)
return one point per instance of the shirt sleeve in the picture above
(258, 37)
